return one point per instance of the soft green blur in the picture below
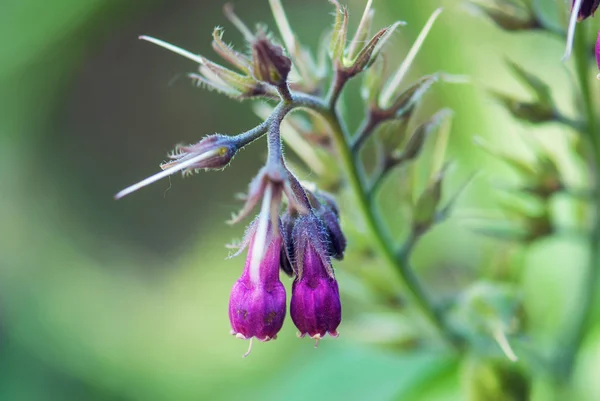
(106, 300)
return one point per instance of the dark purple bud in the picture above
(257, 302)
(587, 9)
(287, 249)
(315, 307)
(327, 210)
(271, 65)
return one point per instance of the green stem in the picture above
(382, 241)
(589, 291)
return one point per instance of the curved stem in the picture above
(382, 241)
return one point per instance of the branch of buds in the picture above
(302, 238)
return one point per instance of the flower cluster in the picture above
(297, 229)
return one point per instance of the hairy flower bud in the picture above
(315, 307)
(327, 210)
(257, 302)
(271, 65)
(223, 146)
(212, 152)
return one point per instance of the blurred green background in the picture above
(106, 300)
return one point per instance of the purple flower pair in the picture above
(302, 245)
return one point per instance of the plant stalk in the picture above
(382, 241)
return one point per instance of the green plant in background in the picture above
(484, 324)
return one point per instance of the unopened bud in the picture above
(222, 146)
(425, 209)
(212, 152)
(271, 65)
(366, 56)
(587, 8)
(337, 45)
(533, 112)
(508, 15)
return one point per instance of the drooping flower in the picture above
(315, 306)
(257, 301)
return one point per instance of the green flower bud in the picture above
(511, 15)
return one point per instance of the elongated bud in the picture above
(327, 210)
(532, 112)
(362, 32)
(212, 152)
(271, 65)
(367, 55)
(337, 45)
(508, 15)
(287, 249)
(425, 209)
(224, 146)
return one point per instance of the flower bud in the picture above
(587, 9)
(533, 112)
(287, 250)
(257, 302)
(511, 16)
(328, 211)
(426, 208)
(222, 146)
(315, 307)
(271, 65)
(337, 45)
(212, 152)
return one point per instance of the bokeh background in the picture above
(105, 300)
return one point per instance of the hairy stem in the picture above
(382, 241)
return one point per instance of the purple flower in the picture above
(315, 307)
(587, 8)
(257, 302)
